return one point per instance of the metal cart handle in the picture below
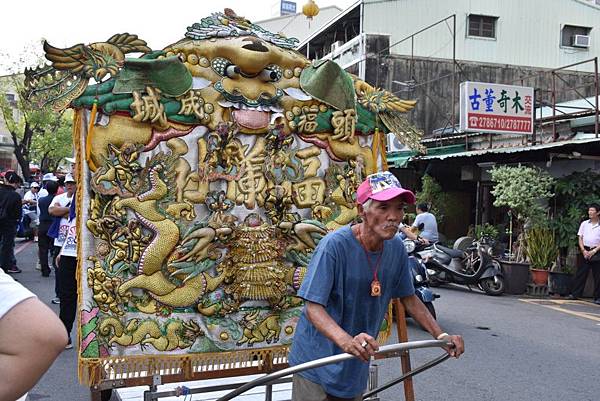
(385, 351)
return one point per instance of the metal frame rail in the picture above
(386, 351)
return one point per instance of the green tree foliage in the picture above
(574, 193)
(41, 136)
(523, 190)
(432, 194)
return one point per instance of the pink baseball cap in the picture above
(382, 186)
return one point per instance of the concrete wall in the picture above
(527, 32)
(433, 84)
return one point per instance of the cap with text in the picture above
(382, 186)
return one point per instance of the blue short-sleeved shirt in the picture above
(339, 278)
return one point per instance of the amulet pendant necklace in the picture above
(375, 284)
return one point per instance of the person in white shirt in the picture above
(67, 273)
(31, 337)
(31, 200)
(428, 222)
(31, 197)
(59, 208)
(589, 244)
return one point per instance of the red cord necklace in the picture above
(375, 284)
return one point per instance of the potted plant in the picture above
(542, 253)
(560, 277)
(522, 189)
(486, 232)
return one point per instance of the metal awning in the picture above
(507, 150)
(402, 158)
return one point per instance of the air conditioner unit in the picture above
(581, 41)
(393, 144)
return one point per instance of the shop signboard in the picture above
(287, 7)
(496, 108)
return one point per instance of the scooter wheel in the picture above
(493, 285)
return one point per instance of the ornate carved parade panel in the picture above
(208, 173)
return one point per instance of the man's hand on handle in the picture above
(458, 345)
(362, 345)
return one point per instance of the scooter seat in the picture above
(453, 253)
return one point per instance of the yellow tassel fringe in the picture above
(191, 366)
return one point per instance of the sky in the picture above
(64, 23)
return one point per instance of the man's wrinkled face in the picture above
(383, 218)
(592, 212)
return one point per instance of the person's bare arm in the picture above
(408, 232)
(419, 312)
(58, 211)
(319, 317)
(586, 254)
(31, 337)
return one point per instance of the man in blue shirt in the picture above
(353, 274)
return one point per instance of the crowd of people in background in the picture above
(24, 207)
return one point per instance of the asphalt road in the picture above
(517, 349)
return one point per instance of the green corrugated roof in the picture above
(401, 159)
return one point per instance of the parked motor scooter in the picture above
(420, 278)
(473, 266)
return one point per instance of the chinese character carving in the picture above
(308, 120)
(193, 103)
(344, 123)
(148, 107)
(309, 192)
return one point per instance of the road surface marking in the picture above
(586, 315)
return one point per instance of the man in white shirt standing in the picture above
(589, 244)
(67, 275)
(60, 209)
